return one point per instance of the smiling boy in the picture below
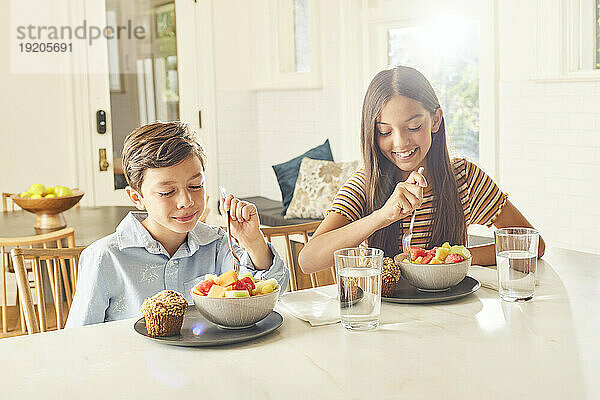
(164, 246)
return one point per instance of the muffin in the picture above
(164, 313)
(389, 277)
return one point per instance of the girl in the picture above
(403, 129)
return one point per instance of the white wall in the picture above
(258, 128)
(549, 139)
(35, 143)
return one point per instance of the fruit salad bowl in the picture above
(48, 211)
(433, 277)
(235, 312)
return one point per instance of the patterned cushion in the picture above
(317, 184)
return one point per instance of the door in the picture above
(146, 67)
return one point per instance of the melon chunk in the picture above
(216, 291)
(237, 293)
(227, 278)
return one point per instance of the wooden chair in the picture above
(52, 258)
(298, 279)
(46, 240)
(5, 198)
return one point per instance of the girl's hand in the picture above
(244, 220)
(406, 197)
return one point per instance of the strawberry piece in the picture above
(427, 258)
(453, 258)
(243, 285)
(249, 281)
(416, 252)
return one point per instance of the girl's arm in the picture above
(510, 216)
(336, 232)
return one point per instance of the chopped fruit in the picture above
(227, 278)
(245, 286)
(417, 252)
(461, 250)
(453, 258)
(247, 274)
(441, 253)
(445, 254)
(267, 288)
(204, 287)
(427, 259)
(237, 293)
(216, 291)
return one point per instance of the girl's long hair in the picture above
(382, 175)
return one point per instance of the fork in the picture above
(407, 237)
(236, 259)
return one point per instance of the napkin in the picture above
(489, 278)
(318, 306)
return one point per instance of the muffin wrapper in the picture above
(387, 286)
(163, 325)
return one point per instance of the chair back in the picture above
(52, 259)
(5, 198)
(296, 236)
(46, 240)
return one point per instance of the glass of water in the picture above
(359, 286)
(516, 261)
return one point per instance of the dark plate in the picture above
(347, 303)
(406, 293)
(197, 331)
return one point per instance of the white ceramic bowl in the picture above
(235, 312)
(433, 277)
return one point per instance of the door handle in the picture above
(102, 161)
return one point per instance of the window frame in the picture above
(565, 41)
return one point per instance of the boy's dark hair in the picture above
(156, 145)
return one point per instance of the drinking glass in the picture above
(516, 261)
(359, 286)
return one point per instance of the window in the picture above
(447, 53)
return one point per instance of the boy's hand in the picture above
(406, 197)
(245, 223)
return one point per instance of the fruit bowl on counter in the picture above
(48, 204)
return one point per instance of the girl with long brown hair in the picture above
(403, 129)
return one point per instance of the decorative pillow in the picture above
(287, 172)
(318, 183)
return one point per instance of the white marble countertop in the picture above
(475, 347)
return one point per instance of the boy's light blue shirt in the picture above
(119, 271)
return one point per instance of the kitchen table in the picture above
(472, 348)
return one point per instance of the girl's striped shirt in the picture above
(480, 197)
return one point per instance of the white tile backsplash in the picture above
(549, 153)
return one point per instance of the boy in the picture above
(164, 247)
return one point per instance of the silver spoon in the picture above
(407, 237)
(236, 260)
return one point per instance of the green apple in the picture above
(36, 196)
(25, 194)
(460, 250)
(49, 195)
(37, 188)
(49, 190)
(247, 274)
